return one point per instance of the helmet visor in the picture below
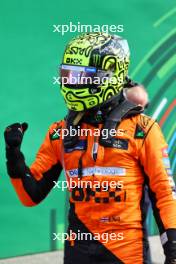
(76, 75)
(80, 76)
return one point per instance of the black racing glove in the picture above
(170, 246)
(170, 252)
(14, 134)
(15, 159)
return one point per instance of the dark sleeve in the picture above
(33, 184)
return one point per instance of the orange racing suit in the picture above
(138, 157)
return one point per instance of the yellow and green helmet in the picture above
(93, 70)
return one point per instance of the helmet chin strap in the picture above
(103, 110)
(112, 102)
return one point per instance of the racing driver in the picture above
(133, 156)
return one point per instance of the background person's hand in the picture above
(14, 134)
(137, 94)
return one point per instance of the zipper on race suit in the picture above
(95, 149)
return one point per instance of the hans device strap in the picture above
(121, 111)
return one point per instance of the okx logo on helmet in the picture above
(93, 70)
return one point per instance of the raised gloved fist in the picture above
(14, 134)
